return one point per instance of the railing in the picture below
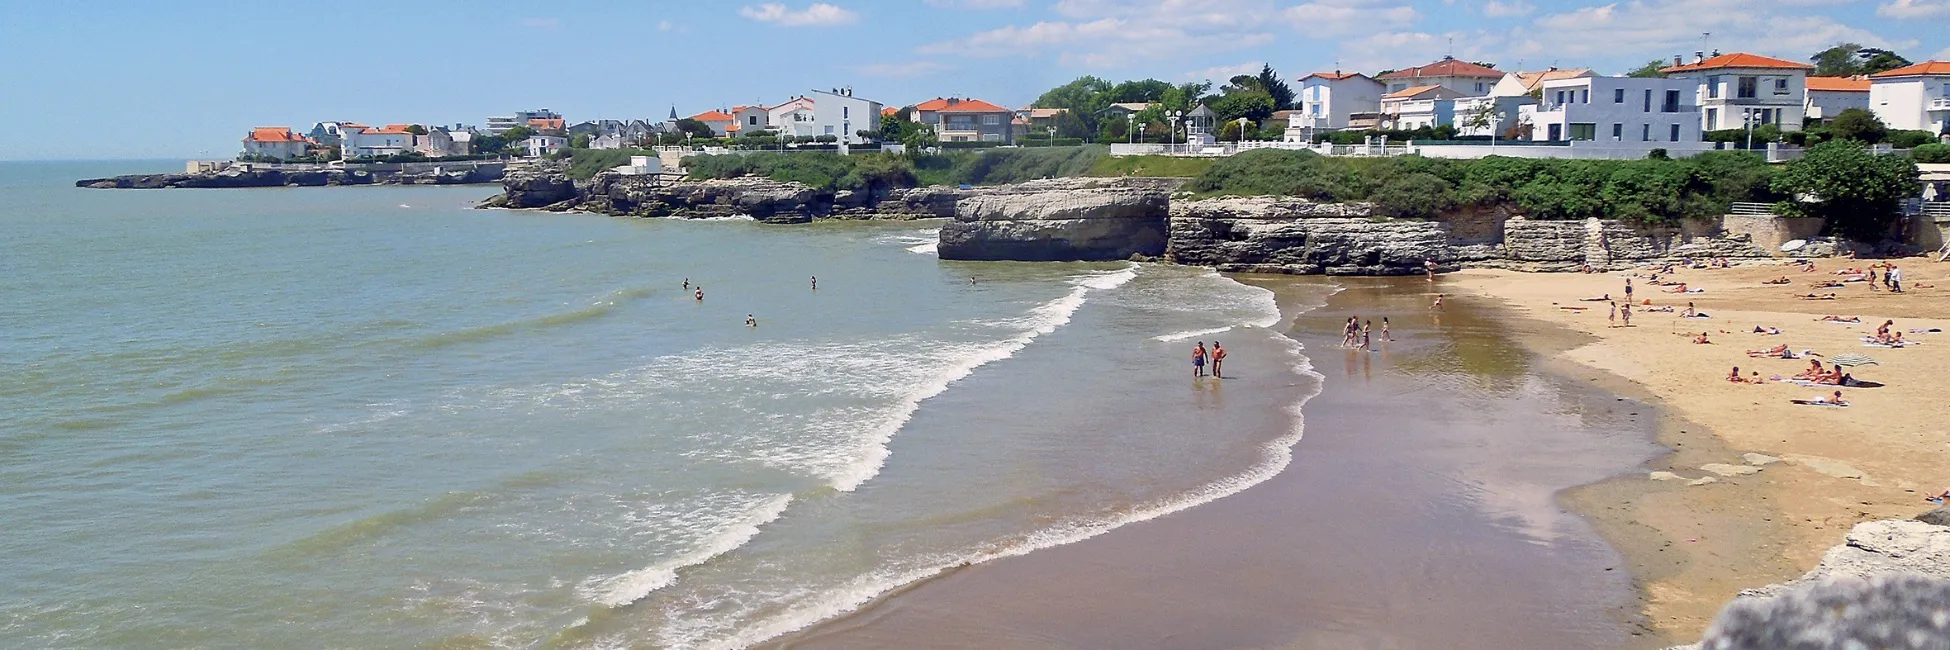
(1940, 104)
(1752, 209)
(1936, 209)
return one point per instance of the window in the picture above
(829, 130)
(1712, 87)
(751, 120)
(1648, 101)
(1560, 97)
(1712, 118)
(1645, 133)
(846, 112)
(1586, 131)
(1672, 102)
(1618, 130)
(1675, 133)
(1748, 86)
(1479, 86)
(1316, 109)
(1585, 95)
(991, 137)
(991, 120)
(1618, 96)
(1781, 86)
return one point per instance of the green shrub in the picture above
(585, 163)
(1910, 139)
(1931, 153)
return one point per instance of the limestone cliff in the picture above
(1057, 222)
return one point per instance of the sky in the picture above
(187, 79)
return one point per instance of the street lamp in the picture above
(1747, 115)
(1495, 119)
(1052, 136)
(1173, 117)
(1130, 129)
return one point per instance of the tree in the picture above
(1481, 118)
(416, 129)
(1185, 96)
(1084, 97)
(483, 143)
(1146, 91)
(1653, 69)
(1882, 61)
(695, 128)
(1069, 125)
(1270, 82)
(1931, 153)
(1849, 59)
(1253, 104)
(581, 141)
(517, 134)
(1858, 192)
(1858, 125)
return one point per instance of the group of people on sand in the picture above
(1360, 334)
(1217, 357)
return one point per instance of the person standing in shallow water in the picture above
(700, 294)
(1198, 360)
(815, 283)
(750, 321)
(1218, 360)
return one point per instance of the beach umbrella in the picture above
(1851, 360)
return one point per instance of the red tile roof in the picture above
(1839, 84)
(1924, 68)
(1445, 68)
(1333, 76)
(392, 128)
(1409, 92)
(712, 116)
(546, 125)
(889, 110)
(273, 134)
(1739, 60)
(974, 106)
(932, 105)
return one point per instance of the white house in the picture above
(437, 142)
(1491, 115)
(1913, 98)
(1829, 96)
(607, 141)
(794, 118)
(838, 113)
(1524, 83)
(1328, 101)
(1419, 106)
(640, 166)
(1465, 78)
(275, 142)
(368, 142)
(1648, 112)
(501, 123)
(463, 141)
(748, 119)
(719, 121)
(1731, 87)
(541, 145)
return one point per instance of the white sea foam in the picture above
(626, 588)
(925, 248)
(1180, 336)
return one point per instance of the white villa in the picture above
(1829, 96)
(541, 145)
(368, 142)
(1465, 78)
(838, 113)
(276, 142)
(1913, 98)
(1420, 106)
(1329, 101)
(499, 124)
(748, 119)
(794, 118)
(1647, 113)
(1732, 87)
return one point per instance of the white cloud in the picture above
(1914, 8)
(1496, 9)
(664, 25)
(901, 69)
(1119, 33)
(976, 4)
(814, 15)
(1646, 29)
(1223, 72)
(1329, 17)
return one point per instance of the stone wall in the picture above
(1769, 232)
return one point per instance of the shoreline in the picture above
(1410, 514)
(1754, 489)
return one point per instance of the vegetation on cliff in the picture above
(829, 170)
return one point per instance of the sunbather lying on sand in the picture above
(1701, 339)
(1838, 319)
(1828, 285)
(1775, 351)
(1770, 331)
(1850, 271)
(1666, 309)
(1811, 296)
(1832, 400)
(1603, 298)
(1780, 280)
(1938, 498)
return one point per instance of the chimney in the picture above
(1677, 60)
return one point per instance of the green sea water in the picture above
(374, 417)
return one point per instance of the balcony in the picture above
(1940, 104)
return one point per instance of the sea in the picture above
(377, 417)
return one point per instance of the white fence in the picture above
(1752, 209)
(1455, 150)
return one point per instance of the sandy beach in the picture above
(1757, 486)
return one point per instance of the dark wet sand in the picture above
(1421, 511)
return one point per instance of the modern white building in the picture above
(1420, 106)
(1829, 96)
(794, 118)
(1328, 101)
(1649, 112)
(1524, 83)
(1914, 98)
(1500, 116)
(275, 142)
(1465, 78)
(748, 119)
(1731, 89)
(501, 123)
(541, 145)
(838, 113)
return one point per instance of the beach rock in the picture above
(1759, 459)
(1665, 476)
(1704, 480)
(1937, 517)
(763, 199)
(1888, 612)
(1724, 469)
(1834, 468)
(1057, 222)
(537, 187)
(1285, 235)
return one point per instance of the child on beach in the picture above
(1625, 313)
(1612, 321)
(1385, 337)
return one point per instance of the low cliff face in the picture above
(1058, 223)
(537, 187)
(1284, 235)
(233, 178)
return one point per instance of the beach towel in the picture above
(1811, 402)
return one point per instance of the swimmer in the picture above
(750, 321)
(700, 294)
(815, 283)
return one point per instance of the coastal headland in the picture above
(463, 173)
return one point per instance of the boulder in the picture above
(1287, 235)
(763, 199)
(1044, 223)
(537, 187)
(1938, 517)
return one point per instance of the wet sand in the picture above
(1421, 510)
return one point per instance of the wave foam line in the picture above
(1044, 318)
(1180, 336)
(632, 586)
(1276, 455)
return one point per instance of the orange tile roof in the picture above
(1409, 92)
(889, 110)
(1739, 60)
(974, 106)
(733, 128)
(932, 105)
(1445, 68)
(274, 134)
(392, 128)
(1333, 76)
(1839, 84)
(1924, 68)
(540, 123)
(355, 125)
(712, 116)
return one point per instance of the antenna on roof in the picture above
(1703, 45)
(1452, 48)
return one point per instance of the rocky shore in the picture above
(236, 178)
(1120, 218)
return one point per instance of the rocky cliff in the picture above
(235, 178)
(1284, 235)
(1044, 221)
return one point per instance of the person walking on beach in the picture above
(700, 294)
(1625, 312)
(1872, 278)
(1612, 321)
(1628, 291)
(1428, 267)
(1895, 279)
(1438, 303)
(1367, 342)
(1218, 360)
(1198, 360)
(1385, 337)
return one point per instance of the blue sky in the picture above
(187, 79)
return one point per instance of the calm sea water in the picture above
(373, 417)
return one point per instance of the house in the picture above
(748, 119)
(326, 134)
(1419, 106)
(1122, 110)
(368, 142)
(277, 142)
(838, 113)
(1030, 120)
(1491, 116)
(719, 121)
(1829, 96)
(628, 131)
(974, 120)
(500, 124)
(794, 118)
(1915, 98)
(608, 141)
(1517, 84)
(542, 144)
(1652, 111)
(1467, 79)
(437, 141)
(548, 125)
(1733, 88)
(1329, 101)
(463, 141)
